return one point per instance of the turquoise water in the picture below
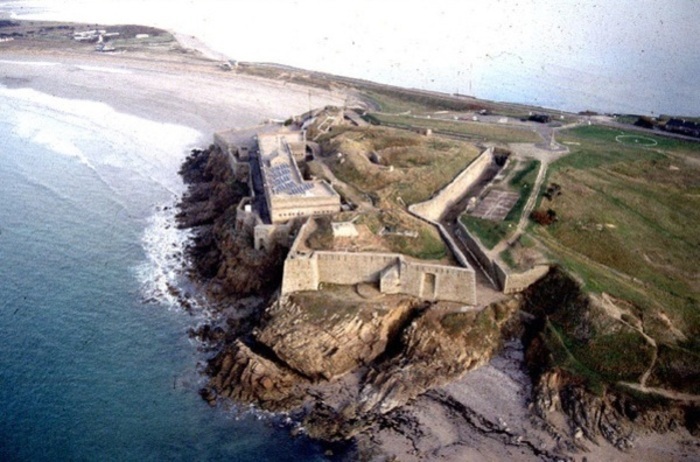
(87, 370)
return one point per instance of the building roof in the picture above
(280, 171)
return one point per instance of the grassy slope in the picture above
(628, 227)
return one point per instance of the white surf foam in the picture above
(162, 273)
(135, 158)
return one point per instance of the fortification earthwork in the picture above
(283, 207)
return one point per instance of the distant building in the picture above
(683, 127)
(540, 118)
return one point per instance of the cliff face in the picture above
(396, 348)
(222, 259)
(437, 347)
(598, 399)
(322, 340)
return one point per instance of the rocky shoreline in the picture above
(357, 370)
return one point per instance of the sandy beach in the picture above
(183, 85)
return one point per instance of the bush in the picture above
(544, 218)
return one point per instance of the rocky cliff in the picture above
(223, 260)
(594, 398)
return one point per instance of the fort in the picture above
(283, 208)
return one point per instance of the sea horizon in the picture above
(634, 57)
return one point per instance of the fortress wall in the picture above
(434, 208)
(351, 268)
(431, 282)
(477, 250)
(517, 282)
(508, 281)
(300, 273)
(305, 230)
(456, 251)
(268, 236)
(438, 282)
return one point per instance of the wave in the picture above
(163, 274)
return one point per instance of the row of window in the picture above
(301, 214)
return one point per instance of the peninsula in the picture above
(413, 275)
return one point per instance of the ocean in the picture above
(95, 359)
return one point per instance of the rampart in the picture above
(394, 273)
(434, 208)
(508, 281)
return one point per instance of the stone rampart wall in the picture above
(300, 273)
(351, 268)
(477, 250)
(269, 236)
(517, 282)
(508, 280)
(439, 282)
(434, 208)
(305, 271)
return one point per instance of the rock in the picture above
(266, 383)
(319, 344)
(437, 348)
(248, 377)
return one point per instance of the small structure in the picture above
(344, 229)
(683, 127)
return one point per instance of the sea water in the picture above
(88, 370)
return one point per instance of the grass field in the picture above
(473, 130)
(628, 226)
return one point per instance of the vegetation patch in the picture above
(462, 129)
(490, 232)
(677, 368)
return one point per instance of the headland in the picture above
(364, 256)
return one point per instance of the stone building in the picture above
(287, 194)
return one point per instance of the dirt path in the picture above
(545, 157)
(670, 394)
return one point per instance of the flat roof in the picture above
(281, 173)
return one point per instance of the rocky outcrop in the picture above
(241, 374)
(223, 259)
(437, 348)
(333, 337)
(594, 401)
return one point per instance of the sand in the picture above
(180, 87)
